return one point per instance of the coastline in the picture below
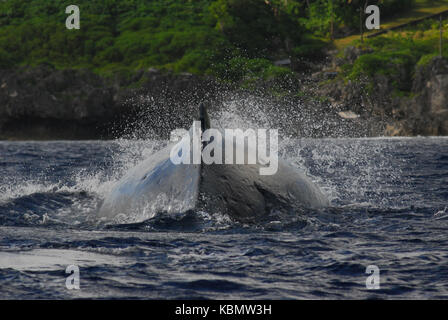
(44, 103)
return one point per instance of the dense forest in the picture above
(229, 39)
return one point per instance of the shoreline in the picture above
(44, 103)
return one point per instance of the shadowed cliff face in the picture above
(431, 102)
(44, 103)
(423, 112)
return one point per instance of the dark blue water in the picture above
(389, 209)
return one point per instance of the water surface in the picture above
(389, 208)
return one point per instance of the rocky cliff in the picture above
(426, 112)
(423, 111)
(45, 103)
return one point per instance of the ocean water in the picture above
(389, 208)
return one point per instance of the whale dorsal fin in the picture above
(203, 117)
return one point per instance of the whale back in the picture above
(243, 193)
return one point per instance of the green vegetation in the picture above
(114, 34)
(408, 11)
(228, 38)
(322, 14)
(232, 39)
(397, 54)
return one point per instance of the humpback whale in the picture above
(157, 185)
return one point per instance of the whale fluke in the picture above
(158, 185)
(203, 117)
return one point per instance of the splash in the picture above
(349, 171)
